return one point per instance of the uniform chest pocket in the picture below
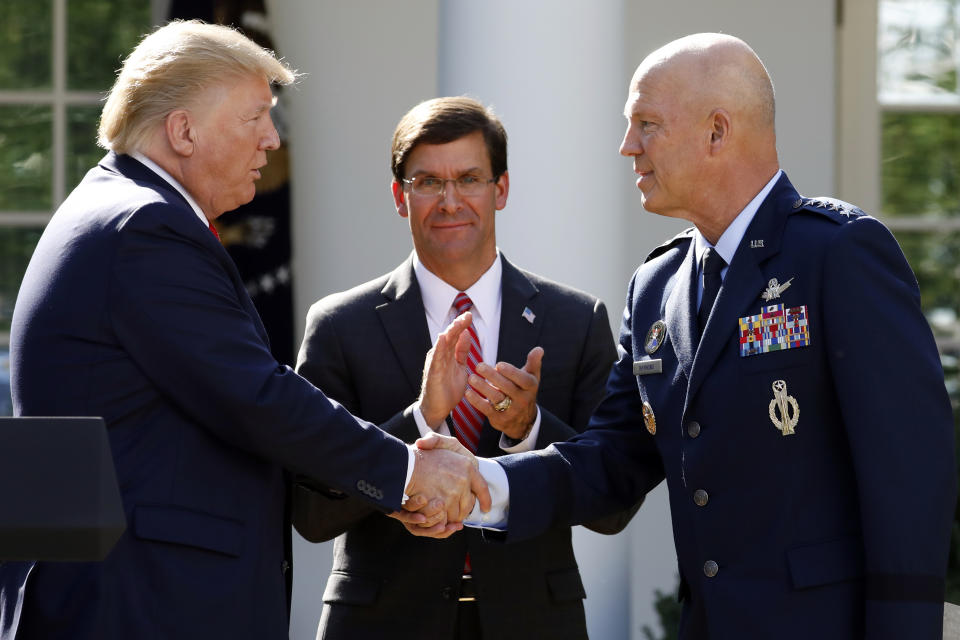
(778, 360)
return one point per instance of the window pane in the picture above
(919, 52)
(935, 259)
(100, 34)
(920, 172)
(25, 157)
(16, 247)
(26, 28)
(82, 150)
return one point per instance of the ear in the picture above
(503, 190)
(180, 131)
(399, 199)
(719, 129)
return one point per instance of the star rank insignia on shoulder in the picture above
(833, 208)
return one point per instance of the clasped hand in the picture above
(445, 482)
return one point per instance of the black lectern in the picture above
(59, 498)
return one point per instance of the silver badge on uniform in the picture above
(646, 367)
(774, 289)
(789, 410)
(655, 336)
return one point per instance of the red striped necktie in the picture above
(467, 421)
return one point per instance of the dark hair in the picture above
(443, 120)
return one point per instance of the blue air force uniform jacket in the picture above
(811, 488)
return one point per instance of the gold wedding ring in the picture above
(503, 405)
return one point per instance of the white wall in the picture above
(557, 73)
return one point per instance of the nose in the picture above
(449, 196)
(630, 145)
(271, 139)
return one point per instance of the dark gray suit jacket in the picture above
(365, 348)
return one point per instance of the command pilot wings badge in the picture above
(774, 289)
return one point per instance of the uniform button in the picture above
(693, 429)
(446, 593)
(710, 568)
(700, 497)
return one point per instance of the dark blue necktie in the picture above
(712, 265)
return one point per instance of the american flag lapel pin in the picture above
(528, 315)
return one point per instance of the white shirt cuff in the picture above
(422, 425)
(527, 444)
(496, 479)
(411, 461)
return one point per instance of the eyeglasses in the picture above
(431, 186)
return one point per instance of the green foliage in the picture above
(920, 171)
(26, 50)
(100, 34)
(26, 168)
(668, 610)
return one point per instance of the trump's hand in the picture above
(446, 471)
(491, 385)
(445, 372)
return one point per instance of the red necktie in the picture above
(214, 230)
(467, 421)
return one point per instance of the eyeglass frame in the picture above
(443, 186)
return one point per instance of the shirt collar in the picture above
(153, 166)
(727, 244)
(438, 296)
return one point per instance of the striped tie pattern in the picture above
(467, 421)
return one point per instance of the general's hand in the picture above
(426, 518)
(490, 385)
(445, 371)
(445, 469)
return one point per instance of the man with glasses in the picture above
(365, 348)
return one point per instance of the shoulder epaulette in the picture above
(683, 235)
(836, 210)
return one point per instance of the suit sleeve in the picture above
(321, 513)
(176, 311)
(608, 468)
(898, 419)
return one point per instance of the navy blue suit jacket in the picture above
(130, 309)
(840, 530)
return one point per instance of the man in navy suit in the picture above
(131, 309)
(776, 369)
(450, 180)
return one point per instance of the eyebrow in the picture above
(421, 172)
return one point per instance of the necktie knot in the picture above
(462, 302)
(713, 262)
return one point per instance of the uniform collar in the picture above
(727, 244)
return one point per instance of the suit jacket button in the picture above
(446, 593)
(700, 497)
(284, 567)
(710, 568)
(693, 428)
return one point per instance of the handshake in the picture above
(446, 481)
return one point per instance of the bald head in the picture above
(714, 70)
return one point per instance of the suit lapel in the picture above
(404, 321)
(744, 281)
(517, 335)
(681, 311)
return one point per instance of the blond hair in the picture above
(169, 69)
